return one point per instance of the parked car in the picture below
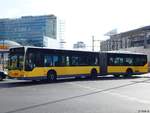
(2, 75)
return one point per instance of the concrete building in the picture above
(79, 46)
(31, 30)
(137, 40)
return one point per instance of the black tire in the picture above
(93, 74)
(51, 76)
(129, 73)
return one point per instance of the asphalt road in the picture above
(103, 95)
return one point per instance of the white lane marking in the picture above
(113, 93)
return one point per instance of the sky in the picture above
(84, 18)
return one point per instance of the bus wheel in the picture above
(51, 76)
(93, 74)
(129, 73)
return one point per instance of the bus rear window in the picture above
(140, 60)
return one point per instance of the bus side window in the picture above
(47, 60)
(39, 60)
(118, 61)
(140, 60)
(56, 61)
(30, 61)
(94, 60)
(65, 61)
(128, 61)
(74, 60)
(83, 61)
(111, 62)
(143, 60)
(21, 62)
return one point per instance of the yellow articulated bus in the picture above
(31, 63)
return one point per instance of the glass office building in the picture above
(29, 30)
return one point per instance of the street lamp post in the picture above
(92, 43)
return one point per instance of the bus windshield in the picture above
(16, 59)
